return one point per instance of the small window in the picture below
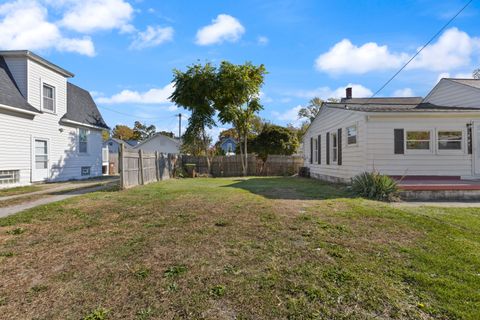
(334, 147)
(9, 176)
(48, 98)
(85, 171)
(450, 140)
(83, 141)
(315, 150)
(418, 140)
(352, 135)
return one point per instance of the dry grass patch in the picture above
(233, 249)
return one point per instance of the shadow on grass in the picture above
(292, 188)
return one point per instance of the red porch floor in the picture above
(435, 183)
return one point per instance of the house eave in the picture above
(5, 107)
(81, 124)
(38, 59)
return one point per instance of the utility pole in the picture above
(179, 125)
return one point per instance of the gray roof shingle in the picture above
(81, 107)
(379, 107)
(9, 93)
(381, 100)
(468, 82)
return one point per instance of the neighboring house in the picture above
(228, 145)
(161, 143)
(50, 129)
(435, 136)
(113, 144)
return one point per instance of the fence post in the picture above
(157, 167)
(140, 164)
(121, 165)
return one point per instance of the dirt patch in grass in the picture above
(209, 249)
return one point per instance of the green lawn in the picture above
(260, 248)
(20, 190)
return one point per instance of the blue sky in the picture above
(124, 51)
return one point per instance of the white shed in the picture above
(161, 143)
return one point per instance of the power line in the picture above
(421, 49)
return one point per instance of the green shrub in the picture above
(375, 186)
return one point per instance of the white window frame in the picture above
(356, 135)
(432, 141)
(79, 142)
(315, 150)
(54, 111)
(334, 148)
(451, 151)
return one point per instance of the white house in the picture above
(113, 144)
(161, 143)
(50, 129)
(438, 135)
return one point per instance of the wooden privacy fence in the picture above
(138, 168)
(231, 166)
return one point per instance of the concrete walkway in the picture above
(438, 204)
(52, 195)
(64, 186)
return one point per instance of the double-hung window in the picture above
(418, 140)
(315, 150)
(82, 140)
(352, 135)
(334, 143)
(48, 98)
(449, 140)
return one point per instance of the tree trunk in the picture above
(245, 167)
(205, 145)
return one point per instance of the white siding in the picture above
(450, 93)
(18, 68)
(353, 157)
(17, 133)
(159, 143)
(380, 148)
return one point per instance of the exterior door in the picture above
(40, 160)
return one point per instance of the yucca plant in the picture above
(375, 186)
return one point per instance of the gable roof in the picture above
(9, 93)
(38, 59)
(475, 83)
(158, 134)
(81, 108)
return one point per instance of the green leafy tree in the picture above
(123, 132)
(195, 90)
(105, 135)
(142, 131)
(275, 140)
(311, 110)
(237, 100)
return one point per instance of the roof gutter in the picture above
(33, 113)
(76, 123)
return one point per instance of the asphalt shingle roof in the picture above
(469, 82)
(81, 107)
(393, 100)
(379, 107)
(9, 93)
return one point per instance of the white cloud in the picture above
(405, 92)
(325, 93)
(92, 15)
(345, 57)
(223, 28)
(460, 75)
(452, 50)
(152, 37)
(262, 40)
(25, 25)
(289, 115)
(152, 96)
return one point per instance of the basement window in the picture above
(85, 171)
(9, 176)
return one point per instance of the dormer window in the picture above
(48, 98)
